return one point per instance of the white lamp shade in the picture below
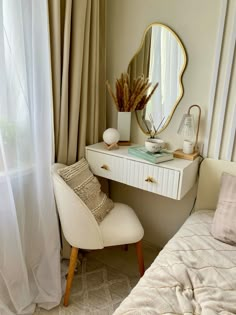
(186, 127)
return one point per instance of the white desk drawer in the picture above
(171, 179)
(105, 165)
(152, 178)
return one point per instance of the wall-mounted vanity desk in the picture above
(171, 179)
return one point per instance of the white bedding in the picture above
(193, 274)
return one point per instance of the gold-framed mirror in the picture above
(162, 58)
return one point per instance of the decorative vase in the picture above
(123, 125)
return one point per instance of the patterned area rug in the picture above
(97, 289)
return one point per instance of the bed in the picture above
(194, 273)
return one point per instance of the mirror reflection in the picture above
(162, 59)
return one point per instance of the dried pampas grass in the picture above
(129, 96)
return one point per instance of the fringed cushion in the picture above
(79, 177)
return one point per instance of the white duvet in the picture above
(193, 274)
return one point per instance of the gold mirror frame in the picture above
(180, 75)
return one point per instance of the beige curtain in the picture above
(77, 35)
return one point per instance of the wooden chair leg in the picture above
(72, 265)
(140, 257)
(126, 247)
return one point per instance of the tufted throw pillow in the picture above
(224, 222)
(87, 187)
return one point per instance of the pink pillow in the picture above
(224, 222)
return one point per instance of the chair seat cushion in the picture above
(121, 226)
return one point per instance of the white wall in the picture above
(196, 23)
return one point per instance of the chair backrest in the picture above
(79, 226)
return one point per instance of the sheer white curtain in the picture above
(29, 238)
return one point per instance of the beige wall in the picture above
(196, 23)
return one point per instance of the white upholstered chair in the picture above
(81, 230)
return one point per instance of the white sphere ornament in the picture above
(111, 135)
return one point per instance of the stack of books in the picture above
(142, 153)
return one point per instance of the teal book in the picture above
(142, 153)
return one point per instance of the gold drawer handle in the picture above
(105, 167)
(149, 179)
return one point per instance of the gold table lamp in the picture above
(187, 129)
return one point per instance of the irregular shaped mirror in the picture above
(162, 58)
